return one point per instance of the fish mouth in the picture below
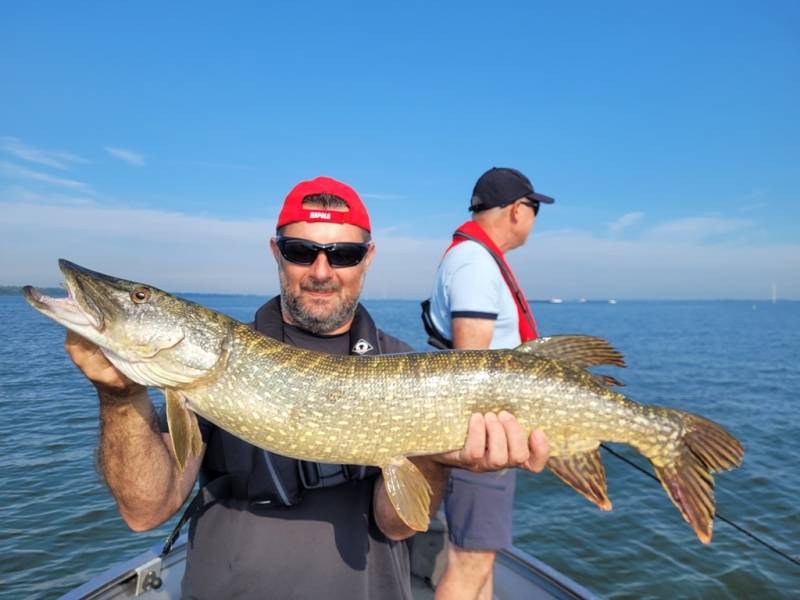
(78, 309)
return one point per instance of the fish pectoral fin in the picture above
(584, 473)
(408, 491)
(183, 428)
(579, 350)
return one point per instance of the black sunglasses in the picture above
(534, 204)
(304, 252)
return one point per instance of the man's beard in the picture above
(314, 321)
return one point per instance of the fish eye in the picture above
(140, 295)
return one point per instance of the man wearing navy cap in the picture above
(266, 525)
(476, 304)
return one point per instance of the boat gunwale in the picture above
(512, 558)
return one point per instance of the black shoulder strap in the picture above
(435, 338)
(269, 319)
(364, 338)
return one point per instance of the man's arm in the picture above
(133, 455)
(471, 333)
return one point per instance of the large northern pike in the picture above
(379, 410)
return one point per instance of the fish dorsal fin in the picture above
(579, 350)
(608, 380)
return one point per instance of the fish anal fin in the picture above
(183, 428)
(584, 473)
(579, 350)
(409, 492)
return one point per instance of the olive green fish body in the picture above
(407, 404)
(379, 410)
(386, 406)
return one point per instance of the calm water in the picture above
(734, 362)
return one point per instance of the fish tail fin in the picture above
(686, 473)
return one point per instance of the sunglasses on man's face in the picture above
(304, 252)
(534, 205)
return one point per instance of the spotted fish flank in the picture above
(379, 410)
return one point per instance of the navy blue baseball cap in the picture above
(500, 186)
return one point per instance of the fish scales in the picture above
(379, 402)
(379, 410)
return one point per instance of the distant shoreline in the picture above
(16, 290)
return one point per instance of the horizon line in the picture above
(17, 290)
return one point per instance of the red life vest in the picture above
(473, 232)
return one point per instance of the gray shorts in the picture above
(478, 508)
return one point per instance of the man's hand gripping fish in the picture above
(380, 410)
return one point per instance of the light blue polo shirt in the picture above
(470, 284)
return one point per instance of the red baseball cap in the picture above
(293, 210)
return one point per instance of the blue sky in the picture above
(156, 141)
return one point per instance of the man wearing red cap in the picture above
(266, 525)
